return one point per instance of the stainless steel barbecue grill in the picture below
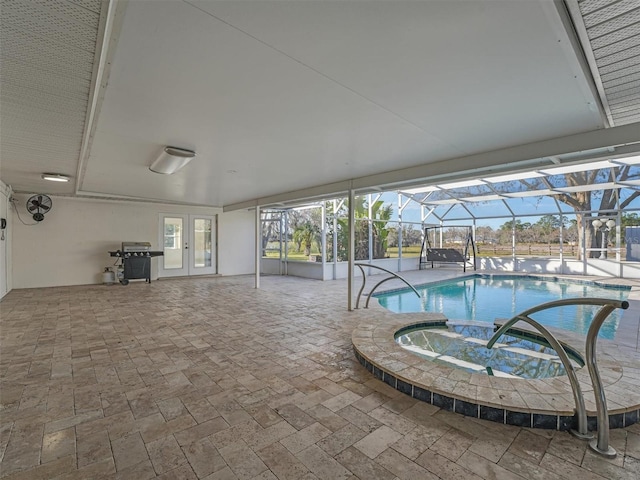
(135, 261)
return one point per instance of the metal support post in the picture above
(352, 248)
(258, 246)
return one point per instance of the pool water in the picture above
(486, 298)
(464, 347)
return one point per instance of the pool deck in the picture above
(209, 378)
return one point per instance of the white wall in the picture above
(69, 247)
(595, 267)
(315, 270)
(237, 242)
(5, 241)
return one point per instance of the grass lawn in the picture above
(483, 251)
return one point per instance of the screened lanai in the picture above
(570, 219)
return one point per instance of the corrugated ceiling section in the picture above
(48, 49)
(613, 27)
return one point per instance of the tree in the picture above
(411, 236)
(571, 232)
(519, 226)
(548, 226)
(274, 228)
(505, 231)
(294, 220)
(455, 235)
(582, 201)
(305, 234)
(271, 226)
(380, 215)
(630, 220)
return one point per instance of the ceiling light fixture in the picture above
(171, 160)
(56, 177)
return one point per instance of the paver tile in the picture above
(443, 467)
(165, 454)
(485, 468)
(321, 464)
(305, 437)
(362, 466)
(567, 469)
(452, 444)
(341, 439)
(128, 451)
(529, 446)
(242, 460)
(402, 467)
(526, 468)
(203, 457)
(414, 443)
(377, 441)
(282, 462)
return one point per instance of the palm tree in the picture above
(380, 215)
(306, 233)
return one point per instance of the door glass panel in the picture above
(202, 242)
(173, 232)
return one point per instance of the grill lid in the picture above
(136, 246)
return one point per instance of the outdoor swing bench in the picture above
(430, 254)
(447, 255)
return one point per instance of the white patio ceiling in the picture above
(285, 100)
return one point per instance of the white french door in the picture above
(189, 245)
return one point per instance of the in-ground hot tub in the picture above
(520, 354)
(462, 383)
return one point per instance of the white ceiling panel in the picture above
(281, 96)
(242, 106)
(406, 58)
(290, 95)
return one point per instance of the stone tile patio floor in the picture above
(210, 378)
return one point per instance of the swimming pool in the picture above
(487, 297)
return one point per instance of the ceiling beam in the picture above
(111, 18)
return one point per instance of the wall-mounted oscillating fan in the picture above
(38, 205)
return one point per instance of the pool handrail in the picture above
(364, 281)
(601, 444)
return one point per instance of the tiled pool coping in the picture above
(607, 283)
(544, 403)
